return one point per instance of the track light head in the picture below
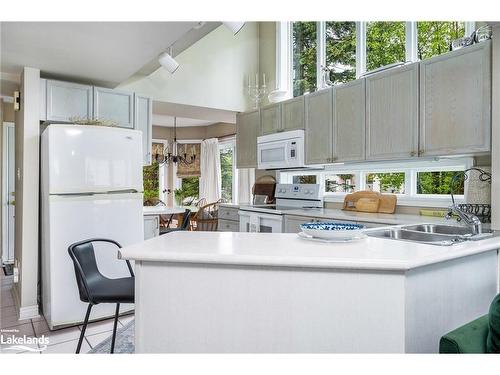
(234, 26)
(168, 62)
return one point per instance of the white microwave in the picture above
(281, 150)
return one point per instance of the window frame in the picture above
(409, 198)
(230, 142)
(284, 47)
(162, 184)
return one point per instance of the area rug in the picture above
(124, 343)
(8, 269)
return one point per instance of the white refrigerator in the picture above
(91, 187)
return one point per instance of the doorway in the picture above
(8, 192)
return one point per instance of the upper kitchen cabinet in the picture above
(143, 122)
(292, 114)
(116, 106)
(270, 119)
(349, 121)
(318, 142)
(247, 130)
(65, 100)
(455, 102)
(392, 113)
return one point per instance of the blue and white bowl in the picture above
(333, 231)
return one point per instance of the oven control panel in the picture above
(297, 191)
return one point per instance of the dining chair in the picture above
(184, 225)
(95, 288)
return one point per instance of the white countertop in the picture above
(287, 249)
(390, 219)
(162, 210)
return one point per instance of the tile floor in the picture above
(60, 341)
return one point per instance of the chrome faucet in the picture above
(470, 219)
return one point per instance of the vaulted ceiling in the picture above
(105, 53)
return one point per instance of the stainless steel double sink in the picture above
(433, 234)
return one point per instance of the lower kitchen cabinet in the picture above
(151, 226)
(229, 219)
(292, 223)
(228, 226)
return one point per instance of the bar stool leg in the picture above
(114, 328)
(82, 334)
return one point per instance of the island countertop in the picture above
(288, 250)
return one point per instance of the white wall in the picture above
(495, 131)
(27, 177)
(213, 72)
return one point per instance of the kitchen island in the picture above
(213, 292)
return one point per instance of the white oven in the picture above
(269, 218)
(281, 150)
(258, 222)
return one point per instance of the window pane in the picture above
(340, 183)
(341, 51)
(304, 57)
(434, 38)
(307, 179)
(226, 166)
(386, 182)
(385, 44)
(189, 191)
(438, 183)
(151, 184)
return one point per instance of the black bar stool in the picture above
(96, 288)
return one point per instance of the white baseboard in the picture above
(24, 312)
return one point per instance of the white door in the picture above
(83, 159)
(69, 219)
(8, 208)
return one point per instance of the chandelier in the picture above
(173, 156)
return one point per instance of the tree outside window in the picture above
(226, 166)
(386, 182)
(341, 51)
(385, 43)
(434, 38)
(438, 182)
(304, 57)
(151, 182)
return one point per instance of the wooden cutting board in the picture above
(387, 203)
(370, 201)
(351, 200)
(368, 204)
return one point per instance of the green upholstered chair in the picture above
(479, 336)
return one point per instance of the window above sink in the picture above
(416, 183)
